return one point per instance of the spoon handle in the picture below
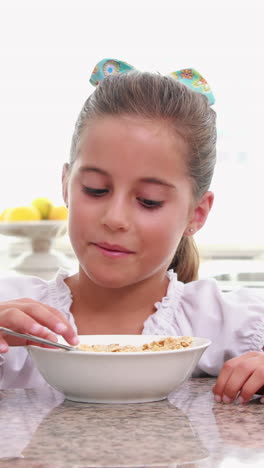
(37, 339)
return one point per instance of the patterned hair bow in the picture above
(190, 77)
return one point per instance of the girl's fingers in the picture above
(223, 377)
(238, 375)
(68, 333)
(6, 339)
(236, 381)
(51, 309)
(41, 316)
(252, 385)
(18, 321)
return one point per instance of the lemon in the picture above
(22, 213)
(58, 212)
(3, 214)
(44, 206)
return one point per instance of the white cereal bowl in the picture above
(124, 377)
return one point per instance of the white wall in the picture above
(49, 48)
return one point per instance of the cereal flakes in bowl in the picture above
(120, 368)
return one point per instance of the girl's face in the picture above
(130, 200)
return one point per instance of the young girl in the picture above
(137, 188)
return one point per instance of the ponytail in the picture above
(186, 260)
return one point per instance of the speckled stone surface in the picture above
(39, 429)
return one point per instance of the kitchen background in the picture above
(47, 52)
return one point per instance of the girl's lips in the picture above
(113, 250)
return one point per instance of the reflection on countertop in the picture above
(39, 429)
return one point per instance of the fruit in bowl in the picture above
(40, 209)
(21, 213)
(43, 205)
(58, 212)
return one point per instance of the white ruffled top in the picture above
(234, 321)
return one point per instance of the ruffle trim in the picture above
(60, 293)
(172, 291)
(163, 320)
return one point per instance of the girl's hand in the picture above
(243, 375)
(29, 316)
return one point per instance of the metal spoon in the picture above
(37, 339)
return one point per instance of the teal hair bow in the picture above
(190, 77)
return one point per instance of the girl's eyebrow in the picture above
(147, 180)
(155, 180)
(93, 169)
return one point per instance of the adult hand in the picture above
(35, 318)
(241, 378)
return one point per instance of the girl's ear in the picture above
(199, 214)
(65, 178)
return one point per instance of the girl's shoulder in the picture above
(233, 321)
(187, 307)
(195, 291)
(54, 292)
(201, 291)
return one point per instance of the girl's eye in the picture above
(151, 204)
(94, 192)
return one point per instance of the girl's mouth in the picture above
(112, 250)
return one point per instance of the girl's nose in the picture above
(115, 216)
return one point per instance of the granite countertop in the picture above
(39, 429)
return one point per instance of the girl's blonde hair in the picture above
(157, 97)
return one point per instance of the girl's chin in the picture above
(113, 281)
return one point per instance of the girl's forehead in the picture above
(127, 120)
(132, 150)
(131, 132)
